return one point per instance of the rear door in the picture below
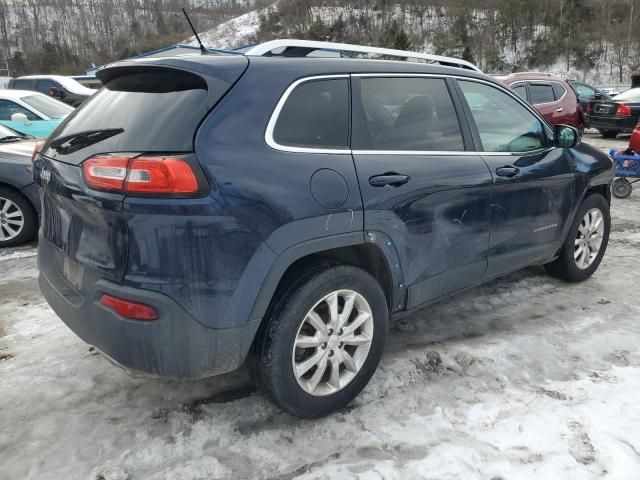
(425, 191)
(546, 99)
(533, 181)
(154, 110)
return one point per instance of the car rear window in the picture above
(157, 110)
(541, 93)
(315, 115)
(50, 107)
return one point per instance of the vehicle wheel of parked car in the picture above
(586, 242)
(323, 341)
(621, 188)
(17, 218)
(608, 133)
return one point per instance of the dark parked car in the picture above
(63, 88)
(587, 94)
(554, 98)
(19, 197)
(282, 210)
(618, 114)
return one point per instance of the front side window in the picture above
(8, 108)
(414, 114)
(43, 86)
(541, 93)
(315, 115)
(503, 123)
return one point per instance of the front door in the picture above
(533, 191)
(426, 194)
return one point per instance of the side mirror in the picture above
(20, 117)
(567, 136)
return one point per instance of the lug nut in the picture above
(340, 332)
(324, 346)
(331, 353)
(340, 344)
(331, 331)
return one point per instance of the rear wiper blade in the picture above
(77, 141)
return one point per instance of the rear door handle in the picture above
(390, 179)
(507, 171)
(559, 109)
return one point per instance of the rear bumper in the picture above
(618, 124)
(176, 345)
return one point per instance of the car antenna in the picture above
(203, 50)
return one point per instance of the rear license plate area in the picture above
(73, 272)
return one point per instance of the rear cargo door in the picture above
(140, 110)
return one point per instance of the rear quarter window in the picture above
(315, 115)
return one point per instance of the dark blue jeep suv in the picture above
(203, 210)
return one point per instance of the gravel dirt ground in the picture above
(523, 377)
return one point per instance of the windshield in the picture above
(7, 132)
(48, 106)
(632, 95)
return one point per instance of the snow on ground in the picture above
(525, 377)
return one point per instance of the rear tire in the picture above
(586, 242)
(311, 369)
(621, 188)
(18, 219)
(608, 133)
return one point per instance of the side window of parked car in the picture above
(23, 85)
(43, 86)
(406, 114)
(503, 123)
(315, 115)
(541, 93)
(583, 90)
(8, 108)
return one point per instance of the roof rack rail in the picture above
(546, 74)
(301, 48)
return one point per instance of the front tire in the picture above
(586, 242)
(321, 342)
(18, 219)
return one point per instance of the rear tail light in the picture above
(623, 110)
(170, 175)
(129, 309)
(36, 150)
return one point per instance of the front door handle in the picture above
(390, 179)
(507, 171)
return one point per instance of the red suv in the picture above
(554, 98)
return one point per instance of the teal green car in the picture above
(31, 113)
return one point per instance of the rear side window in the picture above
(406, 114)
(157, 110)
(315, 115)
(541, 93)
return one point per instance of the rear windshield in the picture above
(154, 110)
(50, 107)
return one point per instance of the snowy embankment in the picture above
(523, 378)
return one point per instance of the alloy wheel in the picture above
(589, 238)
(11, 220)
(332, 342)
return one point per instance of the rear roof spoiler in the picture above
(301, 48)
